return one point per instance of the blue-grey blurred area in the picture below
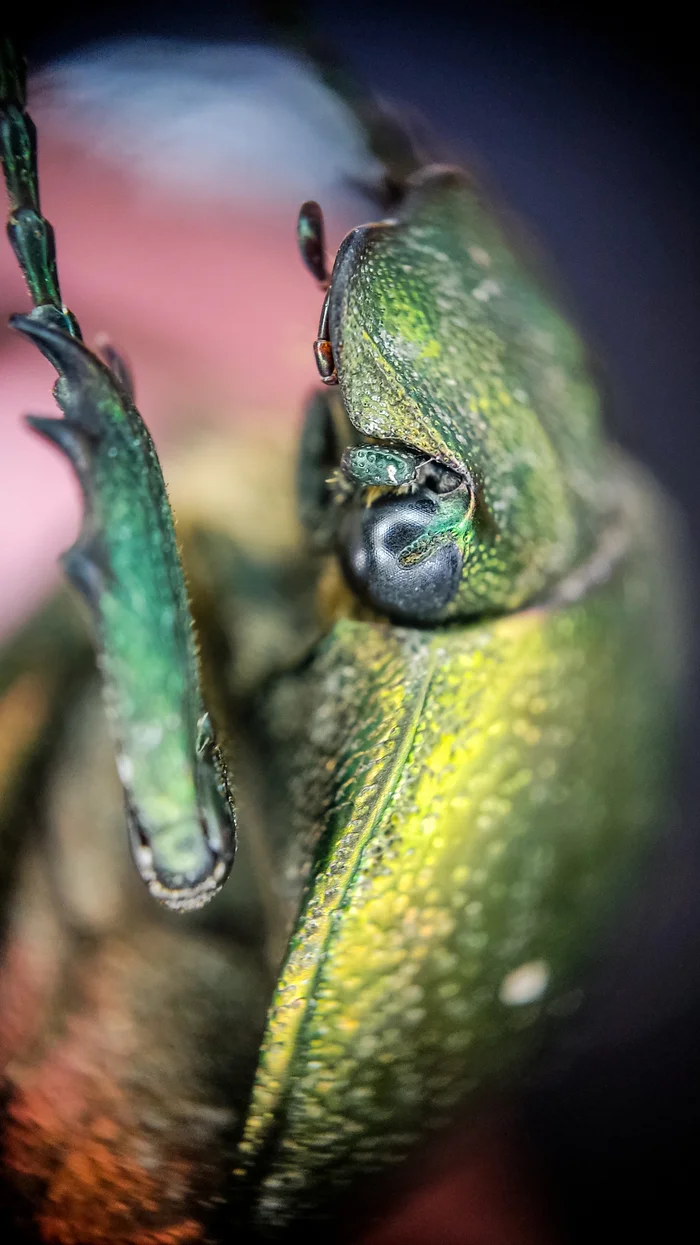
(590, 133)
(221, 120)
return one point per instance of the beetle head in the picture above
(458, 374)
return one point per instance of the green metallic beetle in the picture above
(444, 766)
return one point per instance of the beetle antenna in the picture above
(31, 235)
(311, 237)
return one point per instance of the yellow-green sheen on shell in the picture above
(475, 794)
(447, 341)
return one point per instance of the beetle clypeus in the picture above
(454, 755)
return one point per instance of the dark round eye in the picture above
(372, 540)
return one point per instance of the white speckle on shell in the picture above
(525, 984)
(485, 290)
(480, 256)
(125, 768)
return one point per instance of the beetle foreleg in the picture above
(126, 564)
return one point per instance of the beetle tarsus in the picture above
(125, 562)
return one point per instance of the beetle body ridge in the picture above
(468, 782)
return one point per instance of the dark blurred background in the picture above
(588, 125)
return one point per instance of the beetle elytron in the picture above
(441, 768)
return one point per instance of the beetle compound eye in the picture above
(403, 555)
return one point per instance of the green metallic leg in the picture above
(126, 564)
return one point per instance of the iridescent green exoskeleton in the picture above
(455, 762)
(126, 565)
